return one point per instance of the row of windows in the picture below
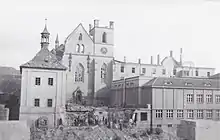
(38, 81)
(143, 70)
(163, 71)
(200, 98)
(186, 73)
(80, 71)
(190, 114)
(37, 102)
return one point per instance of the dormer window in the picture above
(80, 36)
(207, 84)
(188, 84)
(168, 83)
(104, 37)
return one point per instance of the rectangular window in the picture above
(143, 116)
(169, 113)
(218, 114)
(164, 71)
(179, 113)
(122, 69)
(159, 113)
(199, 114)
(143, 70)
(37, 102)
(197, 73)
(190, 114)
(49, 102)
(50, 81)
(209, 98)
(199, 98)
(170, 125)
(189, 98)
(208, 74)
(217, 99)
(159, 125)
(133, 70)
(37, 81)
(154, 71)
(209, 114)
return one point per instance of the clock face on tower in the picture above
(104, 50)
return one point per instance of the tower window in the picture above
(37, 81)
(36, 102)
(104, 37)
(78, 48)
(122, 69)
(82, 48)
(133, 70)
(80, 36)
(103, 72)
(50, 81)
(49, 102)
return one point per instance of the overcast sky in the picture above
(142, 27)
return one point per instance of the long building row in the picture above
(172, 98)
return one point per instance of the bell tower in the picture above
(45, 37)
(103, 38)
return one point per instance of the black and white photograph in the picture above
(110, 70)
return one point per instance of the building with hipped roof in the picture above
(43, 86)
(172, 98)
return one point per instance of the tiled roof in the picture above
(216, 76)
(193, 83)
(44, 59)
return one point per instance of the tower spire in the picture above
(57, 39)
(45, 36)
(57, 42)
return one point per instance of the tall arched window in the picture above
(79, 73)
(104, 37)
(103, 72)
(78, 48)
(82, 49)
(80, 36)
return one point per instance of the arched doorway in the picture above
(79, 97)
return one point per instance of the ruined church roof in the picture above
(44, 59)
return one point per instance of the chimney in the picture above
(125, 59)
(96, 23)
(151, 60)
(158, 59)
(90, 27)
(139, 61)
(181, 51)
(111, 25)
(171, 53)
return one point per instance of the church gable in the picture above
(79, 41)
